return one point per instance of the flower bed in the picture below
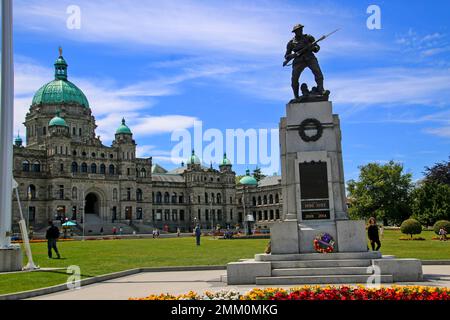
(318, 293)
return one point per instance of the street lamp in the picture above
(246, 182)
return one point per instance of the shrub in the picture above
(441, 224)
(411, 227)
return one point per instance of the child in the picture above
(442, 234)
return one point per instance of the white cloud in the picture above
(256, 29)
(440, 132)
(109, 102)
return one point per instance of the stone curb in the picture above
(111, 276)
(436, 262)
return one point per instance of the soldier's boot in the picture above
(296, 89)
(320, 88)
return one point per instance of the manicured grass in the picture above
(102, 257)
(425, 250)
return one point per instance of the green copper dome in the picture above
(194, 159)
(18, 141)
(248, 180)
(123, 129)
(226, 161)
(57, 122)
(60, 90)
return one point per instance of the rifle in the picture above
(306, 49)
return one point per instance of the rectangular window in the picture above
(159, 215)
(174, 215)
(181, 215)
(61, 192)
(139, 213)
(166, 215)
(129, 194)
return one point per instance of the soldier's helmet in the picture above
(297, 27)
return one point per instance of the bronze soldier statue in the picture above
(301, 49)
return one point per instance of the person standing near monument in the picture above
(372, 231)
(52, 236)
(307, 60)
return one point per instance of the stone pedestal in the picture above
(314, 202)
(10, 259)
(313, 182)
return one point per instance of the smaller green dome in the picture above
(194, 159)
(57, 121)
(248, 180)
(18, 139)
(123, 129)
(226, 161)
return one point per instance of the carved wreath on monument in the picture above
(309, 125)
(324, 243)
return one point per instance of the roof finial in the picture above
(123, 121)
(60, 51)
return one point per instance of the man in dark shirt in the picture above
(307, 60)
(372, 232)
(52, 236)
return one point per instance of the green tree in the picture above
(439, 173)
(411, 227)
(382, 191)
(431, 202)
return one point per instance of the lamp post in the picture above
(6, 124)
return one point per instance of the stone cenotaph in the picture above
(316, 242)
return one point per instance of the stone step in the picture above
(323, 279)
(320, 271)
(321, 264)
(319, 256)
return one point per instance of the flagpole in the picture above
(6, 125)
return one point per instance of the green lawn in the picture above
(102, 257)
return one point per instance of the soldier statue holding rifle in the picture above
(301, 50)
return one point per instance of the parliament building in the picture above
(65, 172)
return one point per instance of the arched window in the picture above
(112, 170)
(206, 198)
(25, 166)
(102, 169)
(181, 198)
(36, 167)
(139, 196)
(271, 199)
(84, 168)
(93, 168)
(219, 198)
(213, 198)
(265, 199)
(159, 197)
(259, 201)
(74, 193)
(166, 197)
(31, 192)
(153, 197)
(254, 201)
(277, 198)
(74, 167)
(174, 198)
(115, 195)
(143, 173)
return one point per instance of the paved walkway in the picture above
(144, 284)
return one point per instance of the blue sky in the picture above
(164, 65)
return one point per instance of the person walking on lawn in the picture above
(198, 234)
(52, 236)
(373, 234)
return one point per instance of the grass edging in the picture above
(102, 278)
